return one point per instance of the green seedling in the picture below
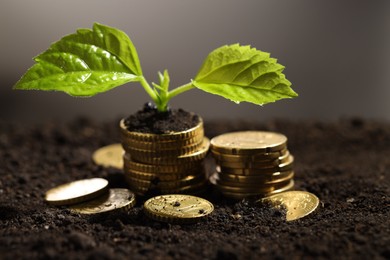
(89, 62)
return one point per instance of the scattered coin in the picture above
(109, 156)
(177, 208)
(76, 192)
(297, 203)
(115, 199)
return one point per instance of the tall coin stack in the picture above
(251, 163)
(165, 163)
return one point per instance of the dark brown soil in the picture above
(149, 120)
(345, 163)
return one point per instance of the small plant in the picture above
(89, 62)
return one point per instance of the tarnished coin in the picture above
(76, 192)
(297, 203)
(115, 199)
(177, 208)
(248, 142)
(109, 156)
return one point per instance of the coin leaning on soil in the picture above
(76, 191)
(298, 204)
(109, 156)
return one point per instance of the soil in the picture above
(345, 163)
(149, 120)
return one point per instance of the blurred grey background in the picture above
(336, 53)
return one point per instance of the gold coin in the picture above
(109, 156)
(248, 142)
(260, 188)
(196, 156)
(275, 165)
(178, 151)
(115, 199)
(267, 157)
(132, 166)
(255, 171)
(199, 185)
(76, 192)
(297, 203)
(162, 145)
(159, 184)
(242, 195)
(239, 180)
(177, 208)
(175, 136)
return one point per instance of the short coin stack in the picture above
(165, 163)
(252, 163)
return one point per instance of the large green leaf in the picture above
(85, 63)
(242, 73)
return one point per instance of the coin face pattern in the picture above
(115, 199)
(248, 142)
(297, 203)
(76, 192)
(109, 156)
(177, 208)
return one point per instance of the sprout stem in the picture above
(180, 89)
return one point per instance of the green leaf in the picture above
(85, 63)
(242, 73)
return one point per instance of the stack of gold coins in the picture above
(165, 163)
(252, 163)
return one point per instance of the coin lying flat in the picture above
(177, 208)
(297, 203)
(109, 156)
(115, 199)
(76, 192)
(177, 136)
(248, 142)
(266, 157)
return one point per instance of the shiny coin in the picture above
(162, 145)
(177, 208)
(242, 195)
(255, 171)
(276, 164)
(248, 142)
(176, 136)
(77, 191)
(196, 156)
(266, 157)
(178, 151)
(297, 203)
(188, 189)
(156, 183)
(115, 199)
(240, 180)
(260, 188)
(188, 167)
(109, 156)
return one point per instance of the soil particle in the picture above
(345, 163)
(149, 120)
